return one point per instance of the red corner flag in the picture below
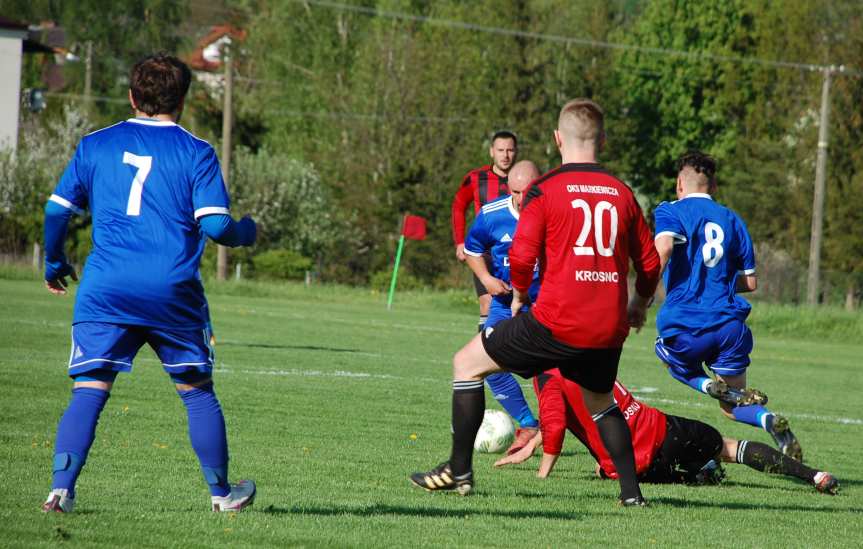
(414, 227)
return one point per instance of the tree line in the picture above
(386, 104)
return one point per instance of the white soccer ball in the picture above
(495, 434)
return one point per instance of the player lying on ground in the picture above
(156, 193)
(584, 226)
(708, 258)
(491, 234)
(668, 449)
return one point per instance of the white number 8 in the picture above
(712, 251)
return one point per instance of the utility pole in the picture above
(227, 123)
(814, 278)
(88, 75)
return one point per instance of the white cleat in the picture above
(58, 502)
(242, 495)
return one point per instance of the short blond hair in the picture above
(581, 119)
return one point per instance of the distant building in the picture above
(206, 59)
(14, 42)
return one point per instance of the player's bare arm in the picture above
(495, 286)
(746, 284)
(519, 300)
(522, 455)
(636, 311)
(546, 465)
(664, 246)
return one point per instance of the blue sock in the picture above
(75, 434)
(755, 415)
(207, 433)
(695, 379)
(508, 392)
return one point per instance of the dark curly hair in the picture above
(700, 162)
(159, 83)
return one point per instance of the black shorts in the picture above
(523, 346)
(689, 444)
(480, 288)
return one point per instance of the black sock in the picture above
(481, 324)
(617, 439)
(468, 409)
(762, 457)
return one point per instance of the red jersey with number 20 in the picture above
(584, 225)
(561, 407)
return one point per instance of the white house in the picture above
(14, 43)
(12, 36)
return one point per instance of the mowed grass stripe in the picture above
(332, 452)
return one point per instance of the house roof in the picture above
(30, 45)
(205, 56)
(11, 24)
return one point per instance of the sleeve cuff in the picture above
(201, 212)
(746, 272)
(678, 238)
(65, 203)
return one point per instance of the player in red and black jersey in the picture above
(668, 449)
(479, 187)
(584, 226)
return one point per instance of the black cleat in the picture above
(826, 483)
(441, 478)
(637, 501)
(778, 428)
(711, 474)
(736, 397)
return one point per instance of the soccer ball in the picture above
(495, 434)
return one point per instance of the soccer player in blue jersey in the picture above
(708, 259)
(491, 233)
(155, 193)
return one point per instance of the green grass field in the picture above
(331, 402)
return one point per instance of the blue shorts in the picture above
(497, 312)
(725, 349)
(106, 346)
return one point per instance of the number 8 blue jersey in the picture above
(711, 247)
(146, 183)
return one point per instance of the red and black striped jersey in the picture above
(479, 186)
(583, 225)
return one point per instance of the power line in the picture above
(587, 42)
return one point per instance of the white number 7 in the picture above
(143, 163)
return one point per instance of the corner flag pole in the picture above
(395, 272)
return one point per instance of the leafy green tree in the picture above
(666, 105)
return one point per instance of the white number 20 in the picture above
(143, 163)
(598, 211)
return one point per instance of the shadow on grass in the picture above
(676, 502)
(288, 347)
(422, 512)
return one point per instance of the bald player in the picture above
(491, 236)
(584, 226)
(708, 260)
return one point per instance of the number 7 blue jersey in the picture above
(711, 248)
(146, 183)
